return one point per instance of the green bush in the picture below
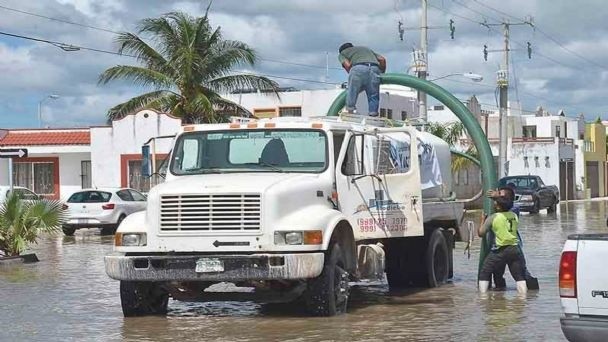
(22, 221)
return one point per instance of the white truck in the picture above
(583, 287)
(288, 209)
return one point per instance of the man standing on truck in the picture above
(505, 249)
(364, 67)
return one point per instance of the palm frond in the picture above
(137, 103)
(22, 222)
(138, 75)
(228, 84)
(132, 44)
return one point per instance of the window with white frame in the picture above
(85, 174)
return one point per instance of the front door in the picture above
(378, 183)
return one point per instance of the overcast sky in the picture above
(572, 76)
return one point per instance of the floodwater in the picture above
(68, 297)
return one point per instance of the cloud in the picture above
(309, 32)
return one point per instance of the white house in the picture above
(62, 161)
(59, 160)
(395, 102)
(116, 149)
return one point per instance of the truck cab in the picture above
(290, 208)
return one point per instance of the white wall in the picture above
(70, 172)
(126, 136)
(548, 173)
(317, 102)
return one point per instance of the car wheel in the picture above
(112, 229)
(536, 207)
(68, 230)
(553, 207)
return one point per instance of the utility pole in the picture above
(422, 65)
(503, 123)
(502, 81)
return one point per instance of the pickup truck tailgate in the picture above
(592, 275)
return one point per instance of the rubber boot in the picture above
(522, 287)
(484, 286)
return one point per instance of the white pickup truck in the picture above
(583, 287)
(290, 208)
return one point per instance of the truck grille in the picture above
(217, 212)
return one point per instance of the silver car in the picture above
(101, 208)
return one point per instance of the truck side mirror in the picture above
(146, 165)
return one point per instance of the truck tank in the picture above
(434, 156)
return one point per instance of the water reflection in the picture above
(67, 296)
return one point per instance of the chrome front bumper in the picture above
(236, 267)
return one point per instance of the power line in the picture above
(298, 64)
(72, 47)
(554, 40)
(116, 32)
(64, 46)
(58, 20)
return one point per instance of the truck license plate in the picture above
(209, 265)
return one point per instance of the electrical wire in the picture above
(58, 20)
(116, 32)
(551, 38)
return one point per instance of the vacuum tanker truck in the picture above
(290, 209)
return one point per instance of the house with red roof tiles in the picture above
(61, 161)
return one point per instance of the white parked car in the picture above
(101, 208)
(23, 193)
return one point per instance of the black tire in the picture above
(327, 295)
(112, 229)
(68, 230)
(553, 207)
(437, 259)
(536, 207)
(143, 298)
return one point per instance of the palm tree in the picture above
(451, 133)
(186, 65)
(21, 222)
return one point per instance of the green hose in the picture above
(486, 159)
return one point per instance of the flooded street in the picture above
(68, 297)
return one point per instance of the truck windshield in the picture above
(268, 150)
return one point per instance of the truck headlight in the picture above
(130, 239)
(526, 198)
(306, 237)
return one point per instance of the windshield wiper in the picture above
(268, 165)
(203, 170)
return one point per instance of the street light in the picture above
(52, 97)
(473, 77)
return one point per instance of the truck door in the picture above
(378, 183)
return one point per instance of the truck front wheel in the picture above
(143, 298)
(327, 295)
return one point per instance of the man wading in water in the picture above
(505, 249)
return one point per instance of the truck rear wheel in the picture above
(143, 298)
(437, 259)
(327, 295)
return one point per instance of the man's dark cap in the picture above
(345, 46)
